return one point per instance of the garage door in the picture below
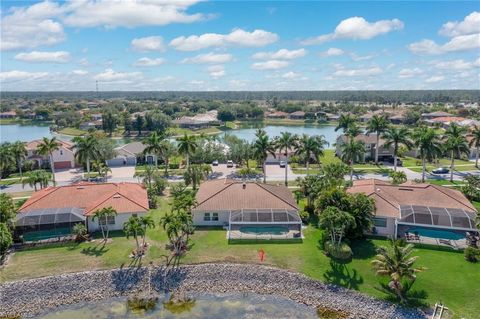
(61, 165)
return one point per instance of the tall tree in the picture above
(7, 160)
(86, 150)
(33, 178)
(353, 131)
(19, 152)
(262, 147)
(311, 147)
(378, 125)
(456, 143)
(336, 223)
(397, 263)
(475, 142)
(153, 145)
(133, 227)
(167, 150)
(146, 222)
(46, 148)
(352, 151)
(138, 124)
(427, 142)
(187, 145)
(286, 141)
(345, 121)
(396, 137)
(102, 215)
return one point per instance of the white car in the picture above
(215, 163)
(229, 164)
(283, 163)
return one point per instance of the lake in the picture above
(25, 133)
(199, 306)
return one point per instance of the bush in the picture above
(328, 313)
(174, 166)
(472, 254)
(304, 215)
(344, 252)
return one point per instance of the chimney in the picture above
(244, 185)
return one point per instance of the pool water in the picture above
(199, 306)
(437, 233)
(264, 230)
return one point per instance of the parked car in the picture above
(391, 160)
(230, 164)
(283, 163)
(440, 170)
(215, 163)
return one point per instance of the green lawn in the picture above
(415, 164)
(72, 131)
(177, 131)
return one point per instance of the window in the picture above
(110, 220)
(134, 215)
(215, 217)
(379, 222)
(206, 217)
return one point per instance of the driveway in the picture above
(122, 174)
(222, 171)
(68, 175)
(277, 173)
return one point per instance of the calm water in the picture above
(25, 133)
(199, 307)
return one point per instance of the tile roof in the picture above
(389, 197)
(123, 197)
(367, 139)
(232, 195)
(32, 145)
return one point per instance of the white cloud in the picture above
(343, 72)
(408, 73)
(477, 62)
(145, 62)
(216, 71)
(469, 25)
(80, 72)
(121, 13)
(357, 28)
(39, 57)
(21, 75)
(356, 57)
(197, 82)
(270, 65)
(435, 78)
(110, 75)
(282, 54)
(291, 75)
(237, 37)
(454, 65)
(237, 84)
(333, 52)
(83, 62)
(154, 43)
(211, 58)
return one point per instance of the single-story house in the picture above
(198, 121)
(130, 154)
(97, 124)
(370, 145)
(277, 115)
(53, 211)
(8, 115)
(445, 121)
(298, 115)
(432, 115)
(63, 158)
(424, 208)
(248, 209)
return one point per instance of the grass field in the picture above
(177, 131)
(449, 278)
(72, 131)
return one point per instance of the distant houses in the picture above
(198, 121)
(8, 115)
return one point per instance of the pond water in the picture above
(25, 133)
(198, 306)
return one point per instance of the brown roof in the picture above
(231, 195)
(437, 114)
(34, 144)
(448, 119)
(123, 197)
(367, 139)
(389, 197)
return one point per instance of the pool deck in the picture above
(236, 234)
(455, 244)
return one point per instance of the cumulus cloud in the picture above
(435, 78)
(282, 54)
(145, 62)
(79, 72)
(40, 57)
(237, 37)
(109, 75)
(291, 75)
(464, 36)
(456, 65)
(270, 65)
(211, 58)
(357, 28)
(153, 43)
(216, 71)
(21, 75)
(344, 72)
(333, 52)
(408, 73)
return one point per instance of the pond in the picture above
(248, 132)
(197, 306)
(25, 133)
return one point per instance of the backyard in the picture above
(449, 277)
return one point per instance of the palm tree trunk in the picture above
(452, 165)
(166, 166)
(188, 160)
(264, 172)
(376, 149)
(20, 169)
(423, 169)
(286, 168)
(88, 169)
(476, 157)
(308, 166)
(395, 162)
(351, 171)
(52, 167)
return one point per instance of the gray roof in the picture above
(130, 149)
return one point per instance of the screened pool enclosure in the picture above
(48, 223)
(264, 224)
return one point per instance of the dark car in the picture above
(283, 163)
(391, 160)
(440, 170)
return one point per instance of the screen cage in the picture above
(454, 218)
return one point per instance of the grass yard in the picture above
(72, 131)
(415, 164)
(449, 277)
(177, 131)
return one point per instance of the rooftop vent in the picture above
(406, 189)
(80, 187)
(117, 196)
(244, 185)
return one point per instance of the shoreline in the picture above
(31, 297)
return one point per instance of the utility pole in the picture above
(96, 85)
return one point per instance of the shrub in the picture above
(304, 215)
(174, 166)
(472, 254)
(344, 252)
(328, 313)
(80, 231)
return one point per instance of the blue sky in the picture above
(229, 45)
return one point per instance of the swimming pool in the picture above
(264, 230)
(437, 233)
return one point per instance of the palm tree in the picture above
(147, 174)
(195, 174)
(456, 143)
(378, 125)
(475, 142)
(262, 147)
(153, 145)
(33, 178)
(287, 141)
(19, 151)
(353, 131)
(133, 227)
(396, 263)
(345, 121)
(352, 151)
(426, 140)
(102, 215)
(102, 169)
(146, 222)
(46, 148)
(86, 149)
(187, 145)
(311, 147)
(396, 137)
(6, 158)
(167, 151)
